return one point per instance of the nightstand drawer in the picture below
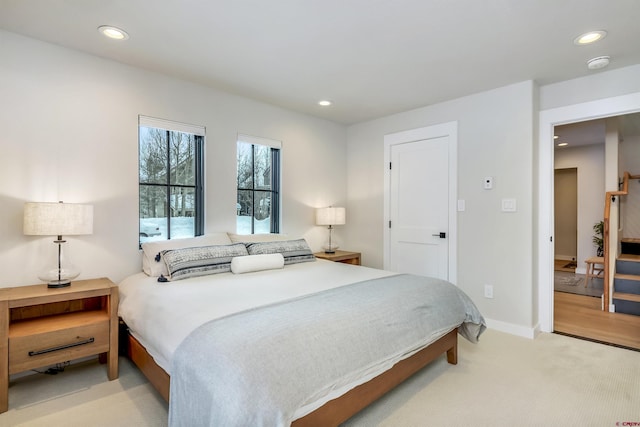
(49, 347)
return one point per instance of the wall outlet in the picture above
(488, 291)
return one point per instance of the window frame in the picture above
(275, 191)
(198, 187)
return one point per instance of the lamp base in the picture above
(58, 285)
(330, 248)
(61, 278)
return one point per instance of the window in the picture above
(258, 203)
(170, 172)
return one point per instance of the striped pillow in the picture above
(293, 251)
(200, 261)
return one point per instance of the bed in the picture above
(276, 337)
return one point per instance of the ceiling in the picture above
(594, 131)
(372, 58)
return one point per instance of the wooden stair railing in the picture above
(605, 234)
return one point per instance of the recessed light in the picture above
(113, 32)
(563, 144)
(590, 37)
(555, 137)
(325, 103)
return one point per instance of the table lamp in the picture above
(330, 216)
(58, 219)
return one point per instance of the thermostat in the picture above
(488, 182)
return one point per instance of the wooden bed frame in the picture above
(335, 411)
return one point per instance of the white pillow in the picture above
(252, 238)
(151, 249)
(249, 263)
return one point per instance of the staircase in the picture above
(626, 284)
(625, 289)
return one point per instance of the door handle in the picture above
(441, 235)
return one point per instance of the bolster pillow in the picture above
(249, 263)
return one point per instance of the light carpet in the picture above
(502, 381)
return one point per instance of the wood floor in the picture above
(560, 265)
(582, 316)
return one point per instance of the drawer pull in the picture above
(61, 347)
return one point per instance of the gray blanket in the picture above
(258, 367)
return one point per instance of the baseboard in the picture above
(510, 328)
(565, 257)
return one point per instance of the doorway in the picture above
(565, 189)
(547, 120)
(595, 150)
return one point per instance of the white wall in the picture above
(499, 135)
(599, 85)
(495, 137)
(69, 132)
(589, 160)
(630, 162)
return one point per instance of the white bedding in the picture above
(274, 364)
(162, 315)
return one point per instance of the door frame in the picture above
(450, 130)
(602, 108)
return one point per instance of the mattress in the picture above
(161, 315)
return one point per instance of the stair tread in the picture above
(629, 257)
(626, 297)
(627, 276)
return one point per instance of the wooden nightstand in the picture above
(40, 326)
(341, 256)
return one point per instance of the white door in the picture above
(421, 224)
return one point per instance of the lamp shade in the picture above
(331, 216)
(57, 219)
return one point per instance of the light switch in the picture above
(461, 205)
(509, 205)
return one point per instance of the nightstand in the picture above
(41, 326)
(341, 256)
